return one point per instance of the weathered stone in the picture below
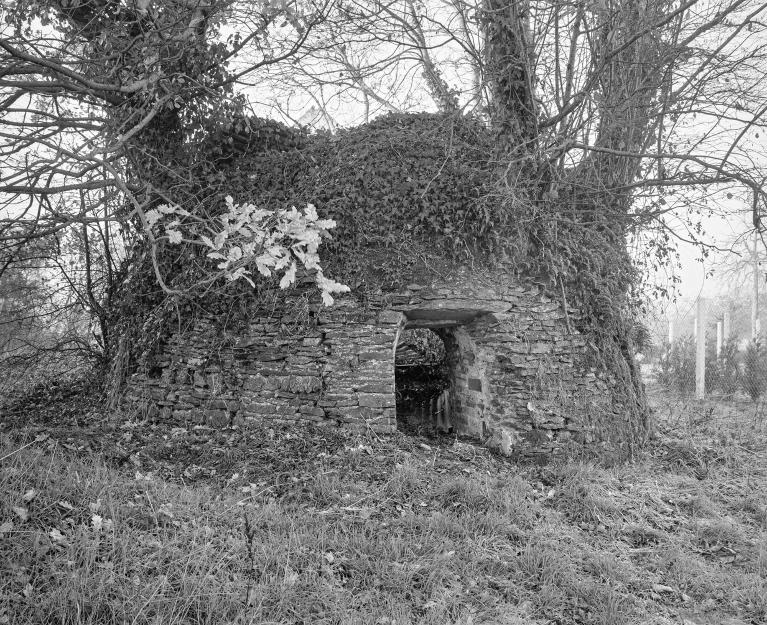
(312, 410)
(386, 387)
(390, 317)
(255, 383)
(375, 356)
(301, 384)
(475, 384)
(375, 400)
(354, 413)
(217, 418)
(217, 404)
(199, 379)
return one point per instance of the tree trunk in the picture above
(509, 61)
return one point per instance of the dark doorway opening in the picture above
(423, 385)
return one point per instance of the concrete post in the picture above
(700, 352)
(719, 337)
(755, 296)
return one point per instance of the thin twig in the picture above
(16, 451)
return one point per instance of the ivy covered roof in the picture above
(420, 177)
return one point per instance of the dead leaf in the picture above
(6, 527)
(29, 495)
(58, 538)
(65, 505)
(290, 578)
(365, 513)
(21, 512)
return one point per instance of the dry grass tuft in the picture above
(379, 533)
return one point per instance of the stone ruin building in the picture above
(517, 375)
(513, 371)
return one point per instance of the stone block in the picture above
(357, 413)
(540, 348)
(217, 418)
(314, 411)
(390, 317)
(217, 404)
(376, 387)
(535, 438)
(552, 423)
(301, 383)
(255, 383)
(377, 400)
(260, 408)
(199, 380)
(269, 356)
(380, 355)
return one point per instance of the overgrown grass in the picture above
(433, 539)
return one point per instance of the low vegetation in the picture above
(110, 522)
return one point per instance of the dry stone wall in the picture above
(521, 378)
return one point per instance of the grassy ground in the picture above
(104, 522)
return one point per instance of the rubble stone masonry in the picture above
(520, 374)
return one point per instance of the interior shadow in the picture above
(423, 382)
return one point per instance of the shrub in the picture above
(677, 365)
(754, 378)
(665, 375)
(727, 364)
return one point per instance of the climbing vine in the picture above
(419, 193)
